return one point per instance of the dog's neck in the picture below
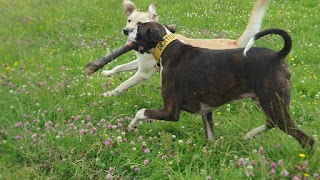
(160, 47)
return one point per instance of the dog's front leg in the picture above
(134, 80)
(139, 116)
(146, 69)
(123, 67)
(163, 114)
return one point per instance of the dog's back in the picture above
(225, 74)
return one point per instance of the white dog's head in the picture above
(134, 16)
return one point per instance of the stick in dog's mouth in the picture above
(131, 39)
(137, 46)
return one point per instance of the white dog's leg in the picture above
(123, 67)
(134, 80)
(255, 132)
(145, 70)
(139, 116)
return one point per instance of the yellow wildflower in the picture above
(302, 155)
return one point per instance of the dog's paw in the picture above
(107, 73)
(249, 136)
(131, 128)
(109, 94)
(256, 132)
(252, 135)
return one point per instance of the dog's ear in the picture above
(153, 12)
(154, 35)
(172, 28)
(128, 7)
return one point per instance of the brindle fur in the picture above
(193, 77)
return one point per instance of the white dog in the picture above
(145, 63)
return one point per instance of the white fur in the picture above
(123, 67)
(208, 128)
(133, 35)
(139, 116)
(204, 109)
(248, 46)
(161, 68)
(143, 62)
(255, 22)
(255, 132)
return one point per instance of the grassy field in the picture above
(54, 124)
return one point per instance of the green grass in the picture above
(54, 125)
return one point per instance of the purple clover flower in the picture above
(146, 162)
(285, 173)
(108, 142)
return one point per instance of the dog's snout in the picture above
(125, 32)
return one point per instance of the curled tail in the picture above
(287, 41)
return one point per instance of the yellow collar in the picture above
(167, 39)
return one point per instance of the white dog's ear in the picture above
(153, 12)
(128, 7)
(172, 28)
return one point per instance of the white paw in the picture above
(255, 132)
(106, 73)
(109, 94)
(249, 136)
(134, 125)
(131, 127)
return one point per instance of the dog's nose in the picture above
(125, 32)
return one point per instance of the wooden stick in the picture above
(99, 63)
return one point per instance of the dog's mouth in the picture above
(138, 47)
(132, 39)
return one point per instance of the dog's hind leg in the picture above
(257, 131)
(208, 125)
(276, 108)
(123, 67)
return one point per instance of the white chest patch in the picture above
(204, 109)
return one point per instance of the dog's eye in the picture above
(129, 20)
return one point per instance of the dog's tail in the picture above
(287, 41)
(254, 24)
